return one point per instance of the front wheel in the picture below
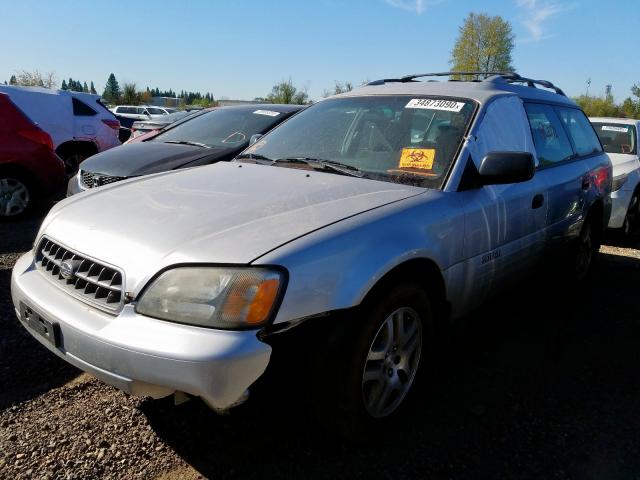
(375, 360)
(631, 218)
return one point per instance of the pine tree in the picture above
(112, 89)
(85, 88)
(92, 89)
(13, 80)
(64, 85)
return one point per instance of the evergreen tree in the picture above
(64, 85)
(85, 88)
(92, 89)
(13, 80)
(112, 89)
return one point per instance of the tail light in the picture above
(602, 179)
(38, 136)
(115, 124)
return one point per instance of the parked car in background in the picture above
(143, 126)
(619, 138)
(78, 124)
(205, 137)
(141, 112)
(29, 168)
(343, 242)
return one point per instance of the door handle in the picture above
(537, 201)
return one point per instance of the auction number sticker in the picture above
(435, 104)
(269, 113)
(608, 128)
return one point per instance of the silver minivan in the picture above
(378, 216)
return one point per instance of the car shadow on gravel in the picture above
(27, 369)
(541, 383)
(18, 235)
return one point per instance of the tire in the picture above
(583, 252)
(17, 196)
(72, 162)
(631, 218)
(371, 367)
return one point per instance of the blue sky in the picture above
(240, 48)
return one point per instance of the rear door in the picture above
(563, 167)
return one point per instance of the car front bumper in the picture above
(75, 185)
(137, 354)
(619, 205)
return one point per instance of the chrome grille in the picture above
(91, 180)
(91, 281)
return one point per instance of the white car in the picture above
(78, 124)
(141, 112)
(619, 138)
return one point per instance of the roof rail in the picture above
(529, 82)
(495, 77)
(412, 78)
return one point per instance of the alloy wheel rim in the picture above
(392, 362)
(14, 197)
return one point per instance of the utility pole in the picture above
(588, 85)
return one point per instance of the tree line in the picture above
(484, 44)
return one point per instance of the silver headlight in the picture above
(219, 297)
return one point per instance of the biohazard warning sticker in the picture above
(435, 104)
(417, 158)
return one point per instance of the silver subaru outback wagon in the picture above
(368, 215)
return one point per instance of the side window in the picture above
(584, 138)
(551, 141)
(156, 111)
(81, 109)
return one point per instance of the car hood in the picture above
(623, 163)
(147, 157)
(227, 213)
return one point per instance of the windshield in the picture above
(224, 127)
(393, 138)
(616, 137)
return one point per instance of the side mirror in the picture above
(506, 167)
(254, 138)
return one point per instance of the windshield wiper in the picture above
(319, 163)
(254, 156)
(186, 142)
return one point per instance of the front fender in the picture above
(335, 267)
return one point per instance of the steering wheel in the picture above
(239, 137)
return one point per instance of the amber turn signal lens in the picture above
(263, 301)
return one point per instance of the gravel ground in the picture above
(542, 383)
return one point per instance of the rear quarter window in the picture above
(81, 109)
(580, 131)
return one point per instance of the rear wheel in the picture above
(585, 249)
(16, 196)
